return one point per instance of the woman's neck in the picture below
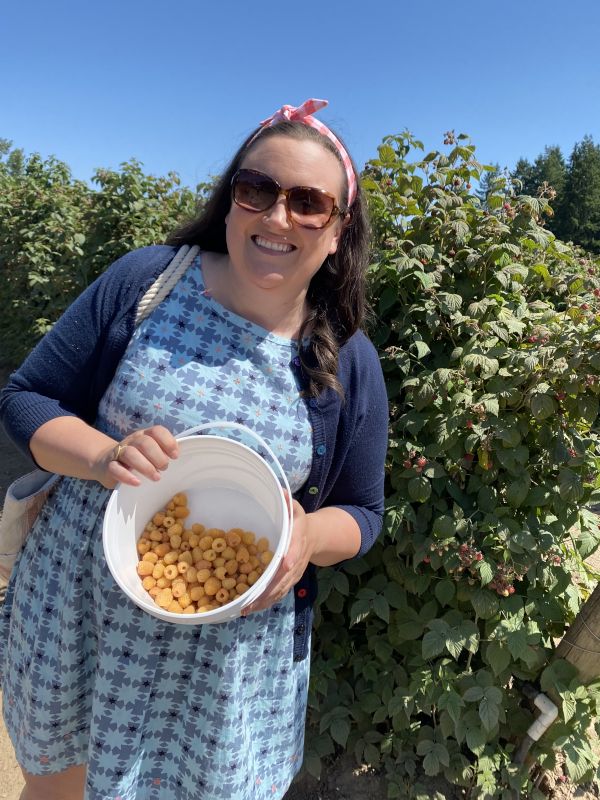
(271, 309)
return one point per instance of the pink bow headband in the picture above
(304, 114)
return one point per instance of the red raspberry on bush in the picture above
(421, 461)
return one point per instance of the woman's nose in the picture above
(278, 214)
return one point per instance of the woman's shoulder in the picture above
(143, 263)
(358, 349)
(359, 364)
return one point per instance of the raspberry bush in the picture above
(489, 334)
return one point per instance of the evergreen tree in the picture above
(580, 209)
(488, 183)
(524, 172)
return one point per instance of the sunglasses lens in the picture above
(309, 207)
(254, 191)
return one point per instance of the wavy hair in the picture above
(336, 296)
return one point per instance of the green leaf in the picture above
(569, 708)
(420, 349)
(543, 406)
(517, 643)
(381, 608)
(486, 571)
(475, 738)
(473, 694)
(340, 730)
(569, 485)
(312, 762)
(498, 657)
(485, 603)
(451, 702)
(588, 408)
(489, 713)
(433, 644)
(419, 489)
(445, 591)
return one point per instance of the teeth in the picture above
(280, 247)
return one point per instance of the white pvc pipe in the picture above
(549, 712)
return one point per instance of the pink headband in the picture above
(303, 114)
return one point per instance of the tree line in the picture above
(572, 185)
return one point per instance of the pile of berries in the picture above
(552, 556)
(502, 582)
(419, 464)
(467, 556)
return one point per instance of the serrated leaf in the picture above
(517, 643)
(569, 707)
(419, 489)
(498, 657)
(588, 405)
(433, 644)
(569, 485)
(381, 608)
(485, 603)
(420, 349)
(340, 730)
(312, 762)
(489, 713)
(486, 571)
(341, 583)
(475, 738)
(473, 694)
(445, 591)
(543, 406)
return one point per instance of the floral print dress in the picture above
(160, 711)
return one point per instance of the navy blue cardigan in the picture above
(71, 368)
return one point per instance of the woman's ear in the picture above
(341, 223)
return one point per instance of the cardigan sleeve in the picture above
(70, 368)
(359, 483)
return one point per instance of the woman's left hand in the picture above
(293, 565)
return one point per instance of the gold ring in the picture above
(117, 450)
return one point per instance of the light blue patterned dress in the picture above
(160, 711)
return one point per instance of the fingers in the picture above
(148, 452)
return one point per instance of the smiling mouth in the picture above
(276, 247)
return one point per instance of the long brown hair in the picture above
(336, 295)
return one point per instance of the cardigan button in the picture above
(321, 450)
(300, 630)
(296, 361)
(313, 402)
(313, 490)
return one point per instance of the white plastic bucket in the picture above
(228, 485)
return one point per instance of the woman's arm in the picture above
(68, 371)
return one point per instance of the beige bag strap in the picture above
(165, 282)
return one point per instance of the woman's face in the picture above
(266, 249)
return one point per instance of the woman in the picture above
(263, 328)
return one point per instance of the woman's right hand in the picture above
(146, 451)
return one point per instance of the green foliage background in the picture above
(488, 329)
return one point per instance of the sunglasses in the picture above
(307, 207)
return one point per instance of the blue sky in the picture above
(178, 84)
